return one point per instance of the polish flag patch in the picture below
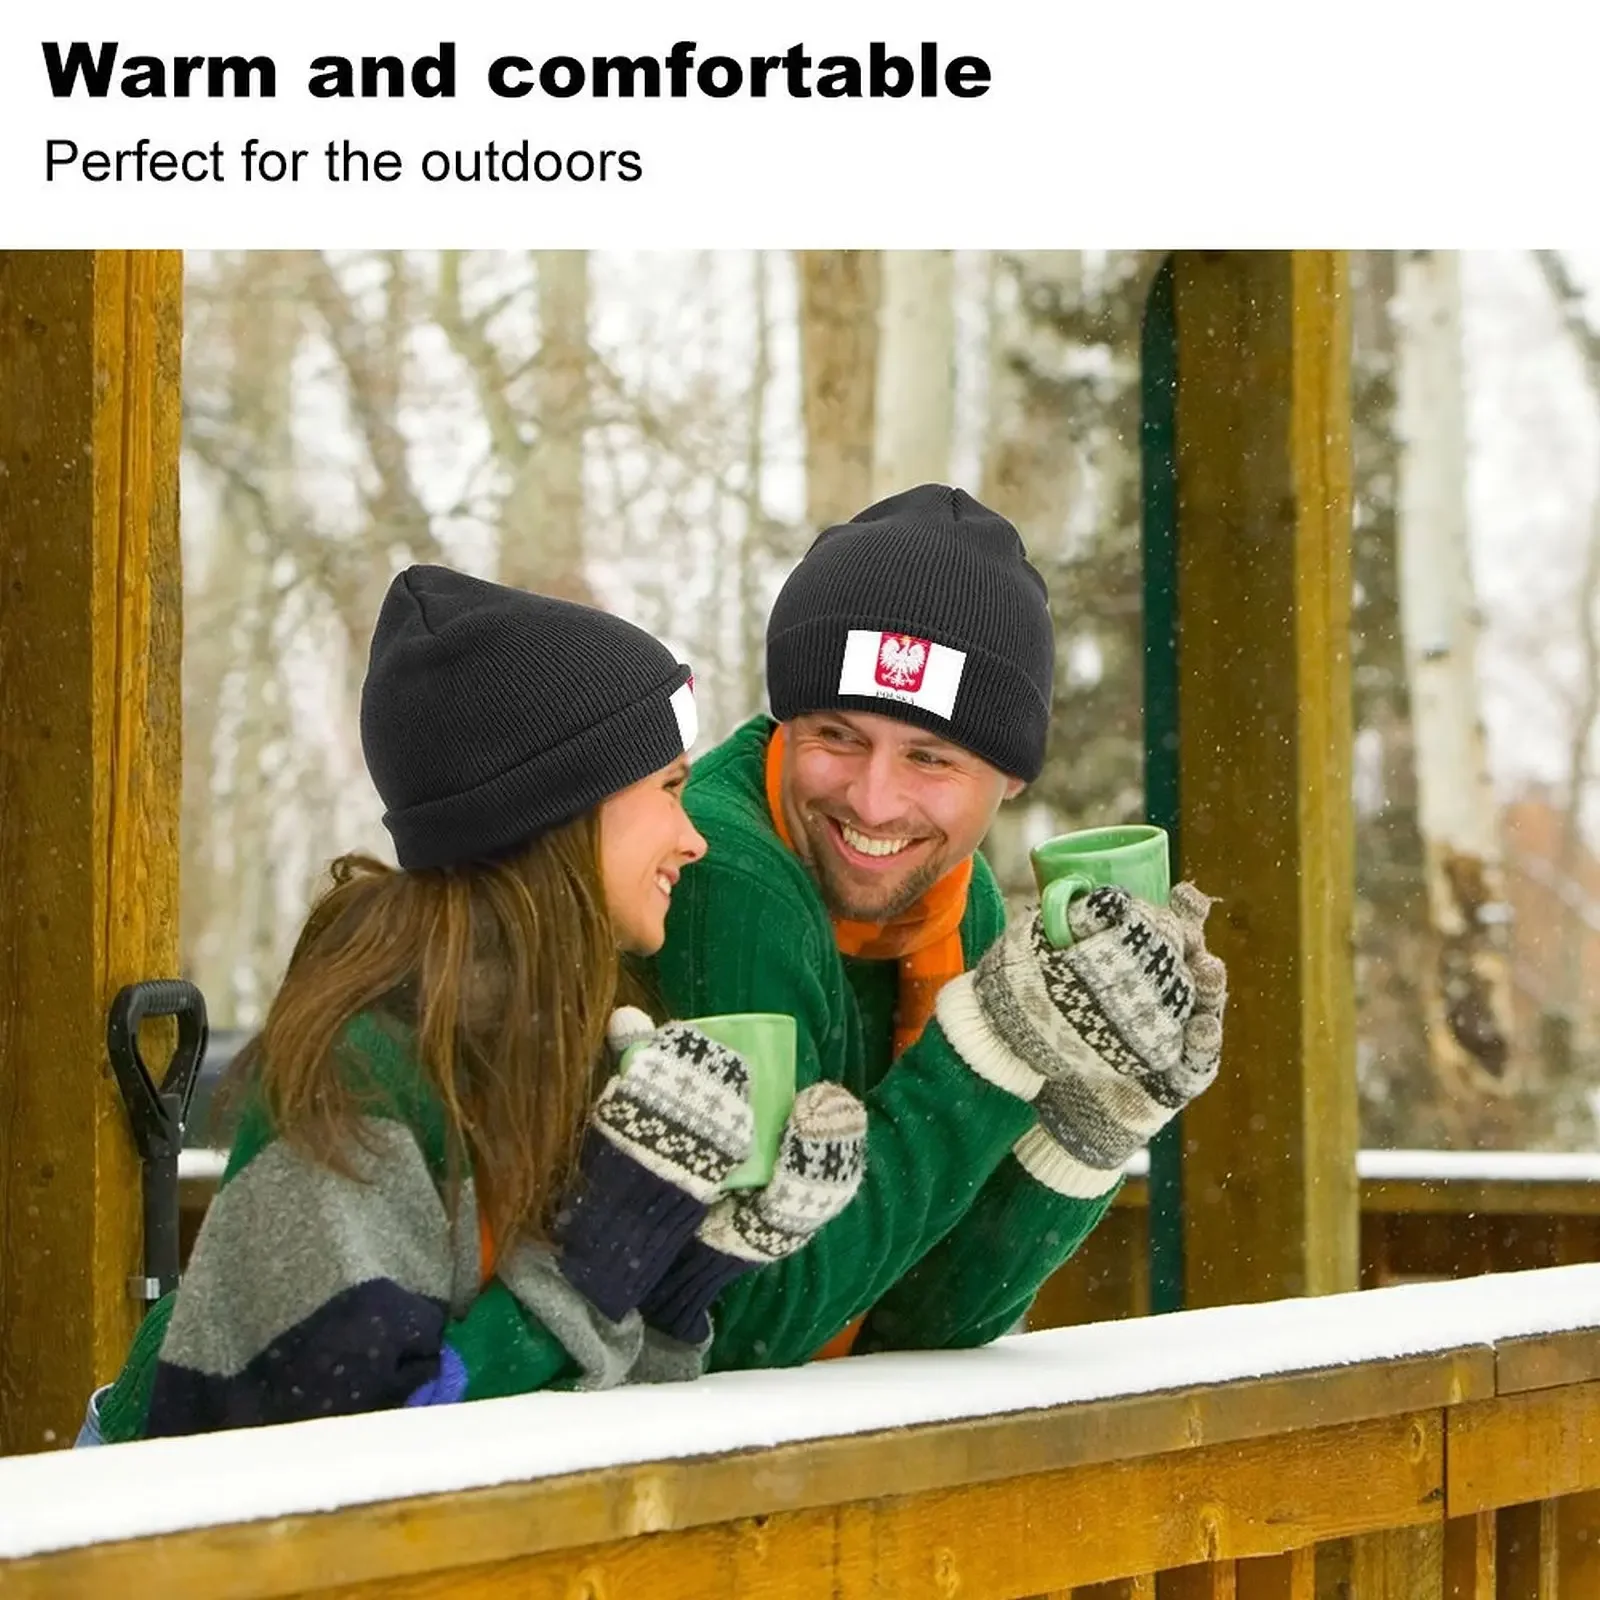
(687, 713)
(900, 666)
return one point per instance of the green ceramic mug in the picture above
(1135, 857)
(766, 1040)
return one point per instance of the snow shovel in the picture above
(158, 1115)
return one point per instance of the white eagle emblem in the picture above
(901, 662)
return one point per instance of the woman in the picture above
(427, 1199)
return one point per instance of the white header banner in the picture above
(1009, 125)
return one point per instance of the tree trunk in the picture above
(1468, 996)
(1585, 337)
(757, 548)
(839, 295)
(916, 371)
(542, 542)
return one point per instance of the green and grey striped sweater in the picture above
(310, 1294)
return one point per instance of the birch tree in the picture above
(915, 405)
(1585, 695)
(1467, 994)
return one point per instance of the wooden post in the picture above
(90, 715)
(1291, 1576)
(1469, 1556)
(1528, 1551)
(1208, 1580)
(1263, 470)
(1578, 1526)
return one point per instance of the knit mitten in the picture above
(820, 1163)
(1109, 1038)
(664, 1133)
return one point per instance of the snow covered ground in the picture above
(64, 1499)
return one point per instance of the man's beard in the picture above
(824, 865)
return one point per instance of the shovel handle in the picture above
(158, 1114)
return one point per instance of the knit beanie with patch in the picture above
(925, 608)
(490, 714)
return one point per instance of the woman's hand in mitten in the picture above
(819, 1168)
(665, 1131)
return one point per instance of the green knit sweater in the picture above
(950, 1236)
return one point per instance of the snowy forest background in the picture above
(663, 434)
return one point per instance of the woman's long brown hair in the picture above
(506, 971)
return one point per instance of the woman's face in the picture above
(646, 840)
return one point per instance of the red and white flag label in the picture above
(900, 666)
(687, 713)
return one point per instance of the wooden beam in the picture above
(1524, 1447)
(1269, 1188)
(90, 714)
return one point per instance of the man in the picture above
(909, 667)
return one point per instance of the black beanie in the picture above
(490, 714)
(924, 607)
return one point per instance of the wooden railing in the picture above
(1425, 1214)
(1437, 1440)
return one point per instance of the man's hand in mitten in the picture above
(1109, 1037)
(664, 1133)
(820, 1163)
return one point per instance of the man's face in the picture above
(879, 811)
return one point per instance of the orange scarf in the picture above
(926, 941)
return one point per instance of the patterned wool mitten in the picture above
(664, 1133)
(820, 1163)
(1109, 1038)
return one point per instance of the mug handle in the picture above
(1058, 895)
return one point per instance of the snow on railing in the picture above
(1463, 1166)
(68, 1499)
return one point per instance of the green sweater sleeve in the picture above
(505, 1349)
(983, 1275)
(744, 935)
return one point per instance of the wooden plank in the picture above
(1469, 1557)
(1264, 599)
(1399, 1564)
(808, 1557)
(1548, 1361)
(1523, 1447)
(1527, 1552)
(1142, 1587)
(90, 713)
(1021, 1535)
(1578, 1541)
(1208, 1580)
(1291, 1576)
